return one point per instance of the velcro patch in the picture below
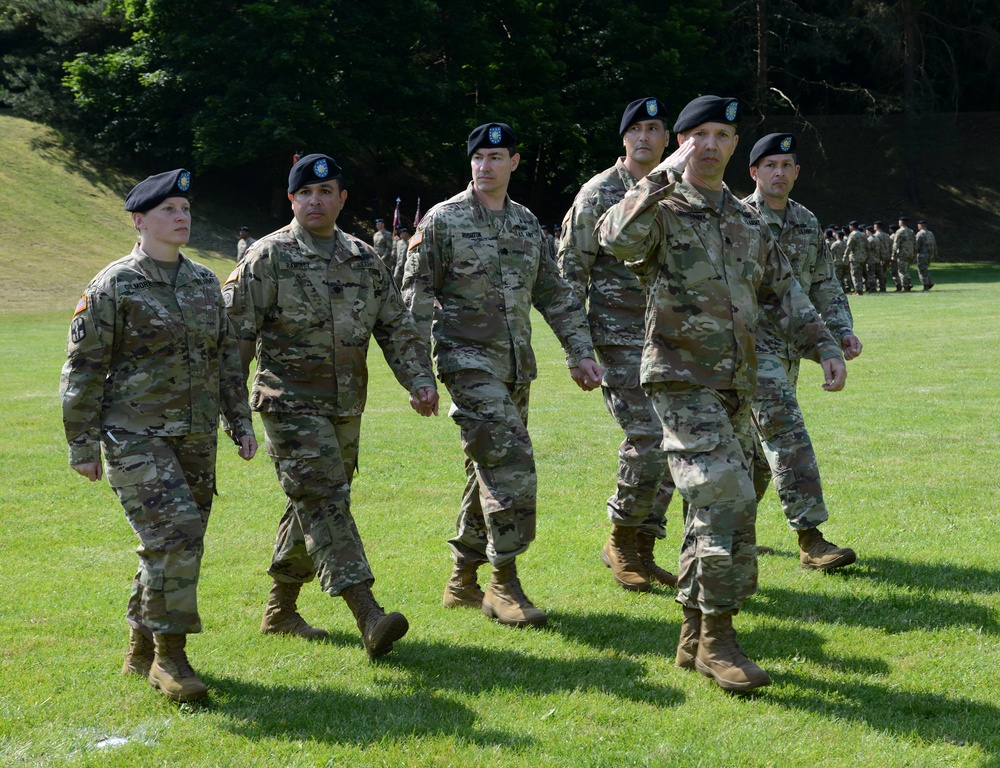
(416, 240)
(81, 305)
(78, 330)
(232, 276)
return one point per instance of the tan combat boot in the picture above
(171, 673)
(462, 589)
(139, 658)
(644, 543)
(506, 602)
(281, 616)
(619, 554)
(379, 630)
(720, 656)
(818, 554)
(687, 646)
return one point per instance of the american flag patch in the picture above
(80, 305)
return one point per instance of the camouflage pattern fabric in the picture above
(485, 280)
(873, 266)
(382, 243)
(903, 245)
(496, 521)
(926, 245)
(150, 355)
(842, 271)
(783, 449)
(315, 458)
(616, 307)
(165, 485)
(312, 317)
(704, 299)
(706, 434)
(883, 249)
(399, 260)
(857, 258)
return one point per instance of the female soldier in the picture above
(151, 361)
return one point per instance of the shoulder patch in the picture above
(78, 330)
(232, 276)
(416, 240)
(81, 305)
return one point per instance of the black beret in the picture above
(902, 218)
(378, 220)
(922, 221)
(648, 108)
(312, 169)
(708, 109)
(878, 223)
(854, 224)
(153, 190)
(492, 135)
(772, 144)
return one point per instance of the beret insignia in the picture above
(495, 135)
(651, 108)
(786, 144)
(321, 169)
(731, 109)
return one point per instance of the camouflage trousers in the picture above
(876, 275)
(165, 485)
(904, 272)
(707, 436)
(924, 269)
(843, 272)
(783, 449)
(859, 271)
(496, 521)
(894, 271)
(315, 458)
(644, 487)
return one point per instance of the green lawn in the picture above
(890, 663)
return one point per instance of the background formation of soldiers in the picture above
(864, 254)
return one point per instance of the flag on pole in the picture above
(395, 216)
(416, 216)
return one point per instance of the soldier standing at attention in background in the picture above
(151, 361)
(382, 242)
(784, 450)
(856, 254)
(874, 273)
(550, 242)
(400, 245)
(616, 308)
(244, 242)
(884, 246)
(710, 265)
(926, 246)
(838, 251)
(903, 244)
(306, 302)
(475, 268)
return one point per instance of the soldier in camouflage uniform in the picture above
(874, 274)
(856, 254)
(926, 246)
(783, 449)
(475, 268)
(884, 248)
(382, 243)
(400, 245)
(306, 301)
(838, 250)
(549, 241)
(710, 265)
(903, 245)
(151, 360)
(616, 307)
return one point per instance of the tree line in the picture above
(393, 87)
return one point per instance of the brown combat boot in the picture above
(379, 630)
(818, 554)
(171, 673)
(139, 658)
(619, 554)
(687, 646)
(462, 589)
(281, 616)
(644, 543)
(506, 602)
(720, 657)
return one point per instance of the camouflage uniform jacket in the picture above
(903, 244)
(148, 357)
(801, 240)
(312, 317)
(926, 244)
(478, 284)
(616, 305)
(709, 272)
(857, 247)
(883, 246)
(398, 259)
(382, 242)
(838, 252)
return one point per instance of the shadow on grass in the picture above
(931, 717)
(625, 634)
(936, 576)
(258, 711)
(475, 670)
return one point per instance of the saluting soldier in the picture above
(151, 363)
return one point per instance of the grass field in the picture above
(891, 662)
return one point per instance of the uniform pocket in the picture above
(131, 470)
